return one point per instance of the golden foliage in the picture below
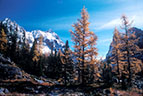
(3, 41)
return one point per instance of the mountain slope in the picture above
(50, 38)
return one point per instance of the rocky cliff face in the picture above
(139, 35)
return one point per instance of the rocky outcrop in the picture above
(4, 60)
(3, 91)
(14, 79)
(139, 35)
(9, 72)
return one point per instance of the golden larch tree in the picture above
(129, 49)
(40, 45)
(84, 45)
(34, 52)
(116, 53)
(3, 42)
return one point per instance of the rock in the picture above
(106, 91)
(3, 91)
(8, 69)
(36, 91)
(6, 91)
(9, 72)
(39, 81)
(139, 43)
(4, 60)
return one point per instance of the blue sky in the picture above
(59, 15)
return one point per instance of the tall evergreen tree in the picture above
(54, 65)
(13, 45)
(77, 49)
(66, 59)
(83, 48)
(25, 54)
(34, 57)
(40, 63)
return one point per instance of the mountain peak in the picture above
(7, 20)
(50, 38)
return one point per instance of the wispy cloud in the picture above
(103, 41)
(111, 24)
(108, 19)
(137, 21)
(61, 23)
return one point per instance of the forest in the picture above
(76, 71)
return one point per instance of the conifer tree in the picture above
(13, 45)
(68, 64)
(83, 48)
(40, 63)
(106, 74)
(116, 53)
(131, 64)
(34, 51)
(34, 58)
(40, 45)
(25, 54)
(77, 49)
(54, 66)
(3, 42)
(92, 67)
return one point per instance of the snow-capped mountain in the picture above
(49, 37)
(10, 26)
(139, 35)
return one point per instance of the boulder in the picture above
(5, 60)
(9, 72)
(3, 91)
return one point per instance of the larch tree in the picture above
(116, 53)
(92, 53)
(35, 53)
(131, 63)
(40, 63)
(85, 42)
(40, 45)
(3, 42)
(77, 49)
(34, 57)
